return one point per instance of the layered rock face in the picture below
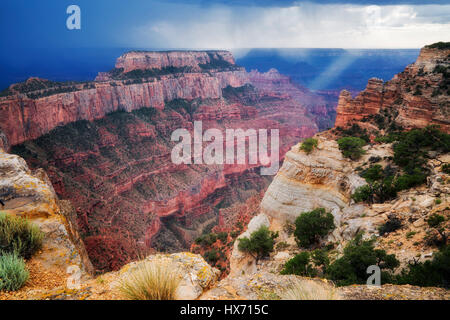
(30, 194)
(418, 95)
(26, 119)
(178, 59)
(114, 163)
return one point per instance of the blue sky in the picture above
(226, 24)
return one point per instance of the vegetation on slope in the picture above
(19, 239)
(408, 168)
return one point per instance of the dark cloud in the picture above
(286, 3)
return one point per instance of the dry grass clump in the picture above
(309, 290)
(156, 280)
(18, 235)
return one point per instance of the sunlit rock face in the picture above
(419, 94)
(178, 59)
(106, 146)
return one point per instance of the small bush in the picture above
(223, 237)
(320, 259)
(351, 147)
(434, 273)
(308, 290)
(309, 145)
(410, 234)
(151, 281)
(260, 244)
(446, 168)
(299, 265)
(19, 235)
(391, 225)
(313, 225)
(435, 220)
(13, 272)
(363, 193)
(211, 256)
(374, 173)
(207, 239)
(358, 255)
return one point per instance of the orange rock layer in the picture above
(419, 94)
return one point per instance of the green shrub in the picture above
(313, 225)
(309, 145)
(299, 265)
(320, 259)
(19, 235)
(440, 45)
(376, 191)
(434, 273)
(223, 237)
(260, 244)
(374, 173)
(354, 131)
(351, 147)
(363, 193)
(435, 220)
(407, 181)
(207, 239)
(211, 256)
(410, 152)
(392, 224)
(410, 234)
(13, 272)
(358, 255)
(446, 168)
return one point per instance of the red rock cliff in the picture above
(419, 94)
(25, 119)
(178, 59)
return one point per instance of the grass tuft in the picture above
(13, 272)
(308, 290)
(156, 280)
(18, 235)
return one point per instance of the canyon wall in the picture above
(106, 147)
(419, 94)
(26, 119)
(323, 178)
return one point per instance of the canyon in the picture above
(126, 195)
(106, 145)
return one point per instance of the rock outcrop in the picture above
(30, 194)
(418, 96)
(178, 59)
